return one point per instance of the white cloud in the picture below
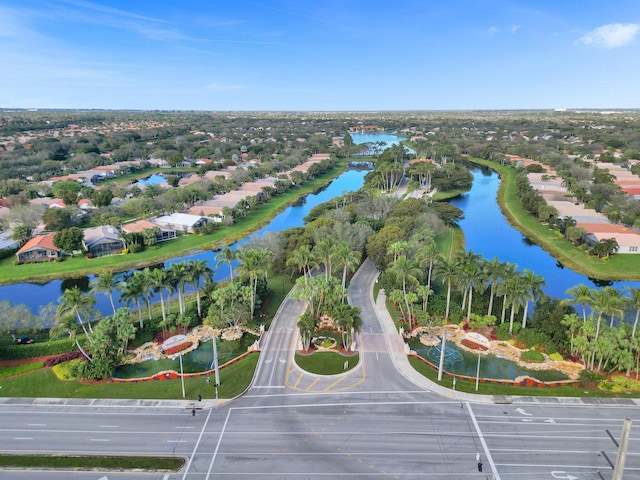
(612, 35)
(515, 28)
(493, 30)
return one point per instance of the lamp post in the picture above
(478, 372)
(215, 365)
(182, 377)
(441, 364)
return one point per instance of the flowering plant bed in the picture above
(177, 348)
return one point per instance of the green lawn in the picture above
(617, 267)
(234, 379)
(496, 389)
(119, 462)
(183, 245)
(326, 363)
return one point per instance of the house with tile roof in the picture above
(102, 240)
(182, 221)
(39, 249)
(163, 232)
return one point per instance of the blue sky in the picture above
(319, 55)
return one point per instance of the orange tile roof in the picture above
(42, 241)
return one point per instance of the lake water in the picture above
(489, 234)
(387, 139)
(35, 295)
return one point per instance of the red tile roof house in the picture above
(627, 238)
(39, 249)
(140, 226)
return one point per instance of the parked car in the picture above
(24, 340)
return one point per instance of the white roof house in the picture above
(182, 221)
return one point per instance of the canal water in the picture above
(35, 295)
(489, 234)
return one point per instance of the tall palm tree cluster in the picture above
(326, 291)
(235, 302)
(409, 283)
(601, 346)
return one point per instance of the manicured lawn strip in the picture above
(496, 389)
(110, 462)
(20, 369)
(129, 177)
(234, 379)
(617, 267)
(183, 245)
(326, 363)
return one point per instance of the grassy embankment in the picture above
(115, 462)
(183, 245)
(616, 267)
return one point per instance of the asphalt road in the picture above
(380, 420)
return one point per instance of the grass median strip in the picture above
(86, 461)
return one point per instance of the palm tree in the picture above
(303, 258)
(180, 275)
(134, 289)
(494, 270)
(408, 272)
(197, 270)
(66, 325)
(635, 301)
(226, 255)
(157, 280)
(471, 270)
(426, 256)
(76, 303)
(533, 288)
(602, 302)
(254, 264)
(581, 295)
(517, 294)
(447, 271)
(324, 253)
(106, 282)
(398, 248)
(347, 258)
(306, 326)
(508, 274)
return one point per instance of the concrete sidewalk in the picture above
(401, 361)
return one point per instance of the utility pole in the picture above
(622, 450)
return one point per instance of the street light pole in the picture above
(441, 364)
(622, 450)
(215, 364)
(478, 372)
(182, 377)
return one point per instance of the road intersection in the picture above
(379, 420)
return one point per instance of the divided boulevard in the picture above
(380, 420)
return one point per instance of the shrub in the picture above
(556, 357)
(136, 248)
(38, 349)
(619, 384)
(532, 356)
(502, 332)
(65, 357)
(64, 370)
(590, 377)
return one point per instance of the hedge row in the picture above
(38, 349)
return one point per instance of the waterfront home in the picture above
(39, 249)
(162, 233)
(102, 240)
(627, 238)
(182, 221)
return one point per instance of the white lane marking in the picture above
(109, 426)
(215, 452)
(496, 475)
(36, 424)
(522, 411)
(185, 427)
(195, 448)
(23, 438)
(99, 440)
(176, 441)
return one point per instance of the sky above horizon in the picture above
(319, 55)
